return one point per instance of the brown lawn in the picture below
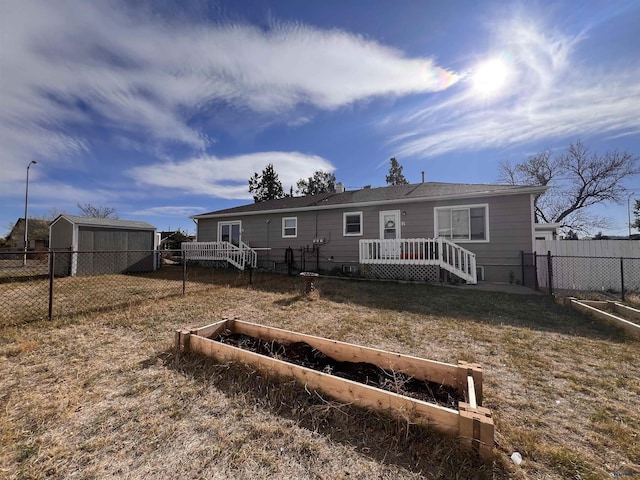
(102, 395)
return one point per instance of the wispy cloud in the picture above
(78, 63)
(169, 211)
(228, 177)
(551, 95)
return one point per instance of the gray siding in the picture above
(61, 235)
(509, 233)
(119, 246)
(61, 238)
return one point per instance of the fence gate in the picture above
(529, 270)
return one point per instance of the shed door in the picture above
(390, 230)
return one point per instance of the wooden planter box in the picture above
(609, 312)
(471, 422)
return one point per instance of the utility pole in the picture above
(629, 211)
(26, 212)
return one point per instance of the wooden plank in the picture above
(464, 370)
(476, 429)
(626, 311)
(211, 330)
(442, 373)
(442, 418)
(472, 392)
(599, 304)
(628, 326)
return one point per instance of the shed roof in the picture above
(105, 222)
(391, 194)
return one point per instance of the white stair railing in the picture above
(458, 260)
(250, 255)
(238, 256)
(421, 251)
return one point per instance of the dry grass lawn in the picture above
(104, 396)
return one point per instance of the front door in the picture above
(390, 230)
(229, 232)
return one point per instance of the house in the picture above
(37, 231)
(546, 231)
(415, 231)
(93, 246)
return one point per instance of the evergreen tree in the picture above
(266, 186)
(636, 213)
(395, 176)
(320, 182)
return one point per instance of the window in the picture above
(468, 223)
(352, 223)
(290, 227)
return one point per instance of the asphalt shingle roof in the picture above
(427, 190)
(108, 222)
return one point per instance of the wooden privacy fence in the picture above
(471, 422)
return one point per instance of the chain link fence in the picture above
(602, 277)
(50, 284)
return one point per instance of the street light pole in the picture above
(26, 209)
(629, 211)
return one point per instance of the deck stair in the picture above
(440, 252)
(241, 256)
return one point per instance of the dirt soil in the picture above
(303, 354)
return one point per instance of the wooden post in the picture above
(474, 370)
(476, 428)
(182, 338)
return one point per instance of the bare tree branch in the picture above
(578, 179)
(89, 210)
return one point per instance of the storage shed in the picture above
(98, 246)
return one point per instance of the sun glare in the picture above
(489, 77)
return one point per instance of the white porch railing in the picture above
(240, 257)
(421, 251)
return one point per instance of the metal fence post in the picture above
(52, 266)
(184, 273)
(622, 279)
(550, 271)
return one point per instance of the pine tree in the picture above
(636, 213)
(266, 186)
(320, 182)
(395, 176)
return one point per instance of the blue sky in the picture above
(165, 109)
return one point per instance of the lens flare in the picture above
(490, 77)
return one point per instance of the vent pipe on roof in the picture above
(423, 176)
(339, 187)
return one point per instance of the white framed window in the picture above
(352, 224)
(463, 223)
(289, 227)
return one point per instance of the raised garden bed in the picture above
(445, 396)
(609, 312)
